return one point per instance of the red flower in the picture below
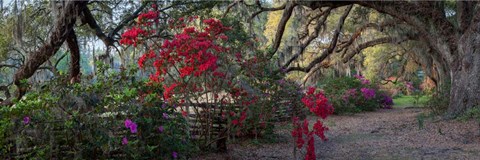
(167, 93)
(297, 134)
(305, 127)
(311, 90)
(148, 15)
(219, 74)
(235, 122)
(141, 60)
(223, 37)
(182, 36)
(238, 56)
(317, 103)
(319, 130)
(243, 116)
(185, 71)
(184, 113)
(131, 36)
(310, 149)
(189, 30)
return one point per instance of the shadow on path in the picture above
(384, 134)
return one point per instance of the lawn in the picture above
(409, 101)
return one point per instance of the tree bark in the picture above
(72, 43)
(465, 74)
(94, 59)
(458, 47)
(63, 26)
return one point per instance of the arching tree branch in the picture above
(229, 7)
(88, 18)
(287, 13)
(331, 47)
(63, 26)
(263, 9)
(343, 45)
(421, 16)
(8, 66)
(127, 20)
(372, 43)
(310, 38)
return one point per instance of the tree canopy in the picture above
(297, 36)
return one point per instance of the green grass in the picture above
(408, 101)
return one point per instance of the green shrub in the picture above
(472, 113)
(338, 85)
(87, 121)
(439, 99)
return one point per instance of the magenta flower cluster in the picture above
(133, 129)
(368, 93)
(349, 93)
(410, 86)
(26, 120)
(362, 79)
(124, 141)
(387, 102)
(131, 125)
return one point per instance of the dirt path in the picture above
(384, 134)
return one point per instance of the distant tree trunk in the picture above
(94, 70)
(72, 43)
(62, 27)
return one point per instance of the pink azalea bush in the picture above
(355, 94)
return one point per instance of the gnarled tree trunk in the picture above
(63, 26)
(72, 43)
(465, 73)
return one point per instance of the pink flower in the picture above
(124, 141)
(175, 155)
(358, 76)
(410, 86)
(351, 93)
(26, 120)
(165, 116)
(365, 81)
(368, 93)
(131, 125)
(161, 129)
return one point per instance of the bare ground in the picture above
(384, 134)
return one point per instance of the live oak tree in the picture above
(63, 30)
(451, 35)
(70, 18)
(447, 31)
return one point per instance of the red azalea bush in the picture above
(318, 104)
(203, 74)
(186, 68)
